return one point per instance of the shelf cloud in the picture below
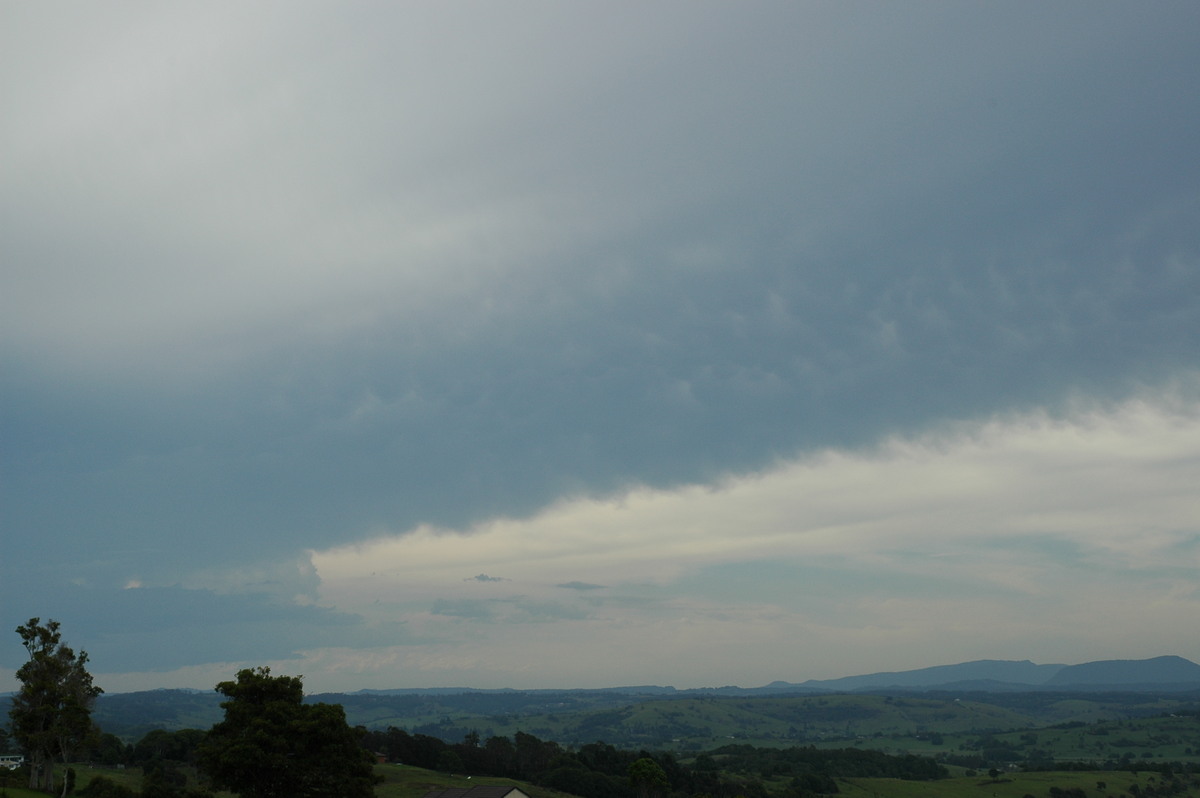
(555, 345)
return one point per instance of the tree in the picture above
(647, 777)
(104, 787)
(273, 745)
(51, 714)
(162, 778)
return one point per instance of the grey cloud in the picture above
(664, 266)
(156, 629)
(486, 578)
(579, 586)
(475, 609)
(517, 609)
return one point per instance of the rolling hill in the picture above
(970, 696)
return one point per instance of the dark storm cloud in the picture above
(560, 256)
(677, 377)
(157, 629)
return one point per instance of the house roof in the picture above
(482, 791)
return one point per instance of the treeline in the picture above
(1167, 788)
(600, 770)
(1166, 770)
(842, 762)
(595, 770)
(108, 750)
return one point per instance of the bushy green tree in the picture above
(106, 749)
(174, 746)
(51, 713)
(162, 778)
(647, 777)
(273, 745)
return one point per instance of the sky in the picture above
(557, 345)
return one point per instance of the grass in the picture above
(1009, 785)
(403, 781)
(130, 777)
(398, 781)
(20, 792)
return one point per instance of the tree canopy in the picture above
(273, 745)
(647, 777)
(51, 713)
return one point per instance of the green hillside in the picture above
(704, 722)
(698, 722)
(692, 724)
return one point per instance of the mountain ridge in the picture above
(1157, 673)
(1109, 682)
(1004, 675)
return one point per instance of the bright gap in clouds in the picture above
(1053, 539)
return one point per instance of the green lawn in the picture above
(130, 777)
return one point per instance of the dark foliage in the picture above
(272, 745)
(104, 787)
(178, 746)
(843, 762)
(51, 713)
(162, 779)
(600, 770)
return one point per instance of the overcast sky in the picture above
(538, 344)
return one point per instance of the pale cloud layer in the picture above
(596, 329)
(957, 545)
(981, 537)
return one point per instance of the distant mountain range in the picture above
(1157, 674)
(990, 675)
(1120, 683)
(1167, 673)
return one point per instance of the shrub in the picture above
(104, 787)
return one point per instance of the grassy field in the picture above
(402, 781)
(1009, 785)
(130, 777)
(398, 781)
(18, 792)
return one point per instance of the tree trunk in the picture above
(41, 772)
(35, 771)
(66, 758)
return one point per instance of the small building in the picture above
(482, 791)
(11, 761)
